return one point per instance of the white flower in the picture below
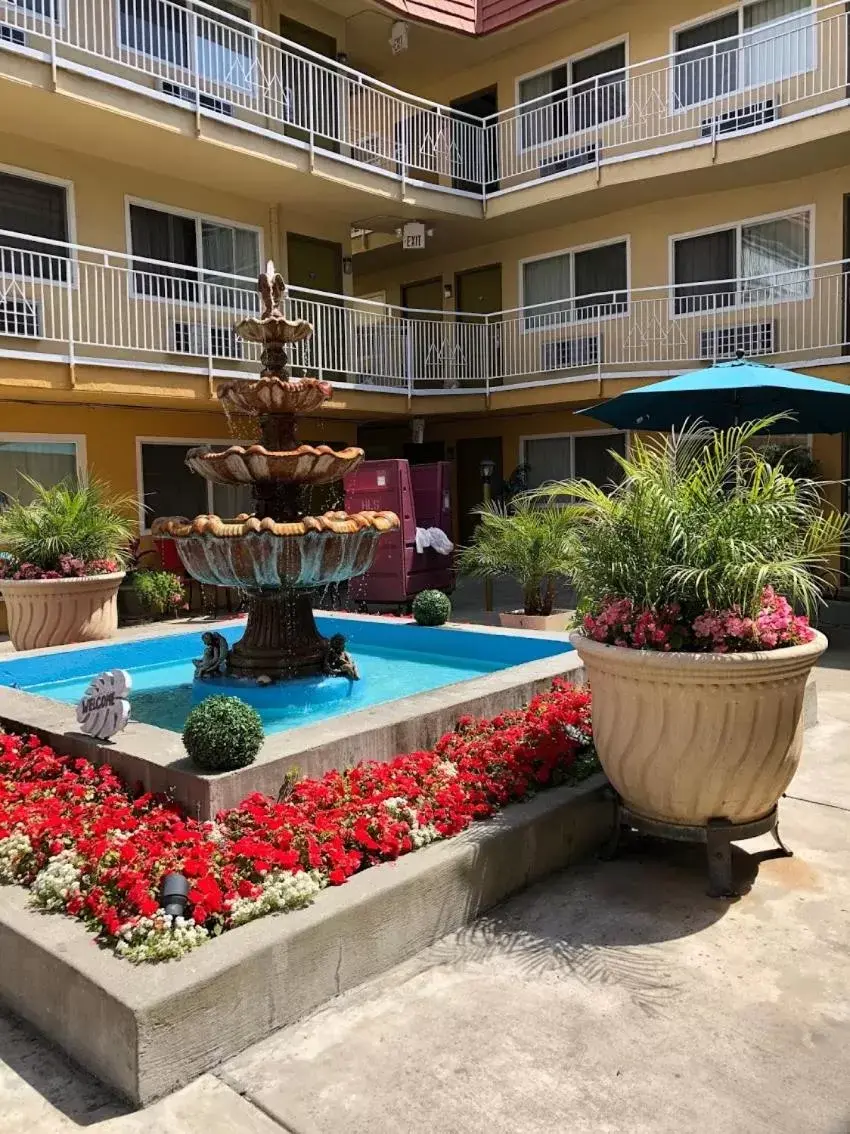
(159, 938)
(57, 882)
(281, 890)
(13, 850)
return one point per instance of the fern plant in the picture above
(525, 541)
(704, 520)
(80, 520)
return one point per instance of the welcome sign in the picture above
(104, 709)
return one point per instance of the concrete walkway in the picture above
(613, 999)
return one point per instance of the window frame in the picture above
(59, 15)
(571, 436)
(178, 69)
(78, 440)
(571, 252)
(707, 17)
(185, 443)
(737, 227)
(73, 279)
(199, 219)
(568, 63)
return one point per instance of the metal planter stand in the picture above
(717, 835)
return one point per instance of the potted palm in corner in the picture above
(689, 575)
(526, 541)
(62, 563)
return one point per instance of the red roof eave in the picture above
(470, 17)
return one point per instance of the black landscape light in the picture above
(175, 895)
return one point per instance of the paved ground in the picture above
(613, 998)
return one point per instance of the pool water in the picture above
(394, 659)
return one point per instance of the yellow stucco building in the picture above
(493, 214)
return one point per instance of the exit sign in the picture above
(413, 237)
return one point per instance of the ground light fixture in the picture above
(174, 895)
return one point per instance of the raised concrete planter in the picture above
(148, 1030)
(57, 612)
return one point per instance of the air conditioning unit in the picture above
(186, 94)
(575, 159)
(725, 342)
(20, 317)
(562, 354)
(201, 339)
(741, 118)
(15, 36)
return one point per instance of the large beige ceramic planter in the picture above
(685, 738)
(554, 623)
(57, 612)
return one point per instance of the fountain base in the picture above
(281, 639)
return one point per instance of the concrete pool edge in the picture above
(148, 1032)
(156, 758)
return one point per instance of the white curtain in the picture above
(45, 462)
(548, 282)
(537, 122)
(548, 459)
(774, 46)
(775, 259)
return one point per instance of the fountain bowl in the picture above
(306, 465)
(272, 395)
(262, 555)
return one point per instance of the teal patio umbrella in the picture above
(729, 393)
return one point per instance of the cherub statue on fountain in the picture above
(214, 663)
(337, 661)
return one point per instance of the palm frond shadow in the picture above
(638, 970)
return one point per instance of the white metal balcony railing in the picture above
(79, 304)
(230, 69)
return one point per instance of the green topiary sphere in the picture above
(432, 608)
(223, 733)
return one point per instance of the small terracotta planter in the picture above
(58, 612)
(554, 623)
(685, 737)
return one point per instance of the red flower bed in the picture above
(86, 846)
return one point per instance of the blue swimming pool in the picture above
(394, 659)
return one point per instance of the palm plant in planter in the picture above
(63, 563)
(526, 541)
(688, 575)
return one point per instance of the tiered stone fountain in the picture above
(278, 555)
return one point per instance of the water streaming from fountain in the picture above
(280, 553)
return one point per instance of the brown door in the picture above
(311, 93)
(469, 453)
(479, 293)
(846, 276)
(426, 349)
(465, 139)
(317, 264)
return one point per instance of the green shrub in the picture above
(159, 592)
(524, 540)
(222, 734)
(432, 608)
(703, 520)
(81, 521)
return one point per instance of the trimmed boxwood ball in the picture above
(222, 734)
(432, 608)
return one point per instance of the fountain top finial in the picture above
(272, 290)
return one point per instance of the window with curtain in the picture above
(590, 283)
(33, 208)
(581, 94)
(209, 250)
(47, 462)
(757, 44)
(577, 455)
(223, 51)
(761, 261)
